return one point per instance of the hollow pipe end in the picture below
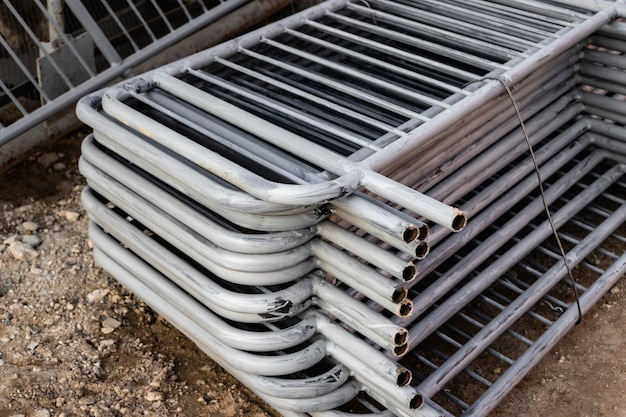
(459, 221)
(400, 351)
(399, 294)
(406, 308)
(404, 377)
(401, 337)
(416, 402)
(422, 250)
(409, 272)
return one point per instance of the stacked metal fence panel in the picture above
(53, 52)
(342, 210)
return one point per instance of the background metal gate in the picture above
(52, 52)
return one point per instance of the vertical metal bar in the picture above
(91, 26)
(141, 19)
(56, 19)
(162, 15)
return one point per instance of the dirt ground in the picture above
(73, 342)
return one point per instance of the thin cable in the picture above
(371, 10)
(543, 197)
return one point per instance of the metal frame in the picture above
(281, 154)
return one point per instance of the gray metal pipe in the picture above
(382, 221)
(293, 390)
(264, 269)
(262, 307)
(504, 195)
(223, 200)
(492, 163)
(151, 192)
(253, 341)
(484, 124)
(446, 309)
(238, 242)
(244, 365)
(250, 363)
(500, 207)
(155, 283)
(112, 133)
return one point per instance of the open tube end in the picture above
(404, 377)
(410, 234)
(401, 337)
(459, 221)
(424, 230)
(399, 294)
(406, 308)
(400, 351)
(421, 250)
(409, 272)
(416, 402)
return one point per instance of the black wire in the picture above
(543, 197)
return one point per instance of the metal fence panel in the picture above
(52, 52)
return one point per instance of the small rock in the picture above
(30, 226)
(32, 240)
(48, 159)
(154, 396)
(11, 239)
(59, 166)
(87, 401)
(18, 415)
(97, 295)
(64, 187)
(22, 251)
(60, 401)
(32, 345)
(109, 325)
(41, 413)
(70, 216)
(615, 290)
(106, 343)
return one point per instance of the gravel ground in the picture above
(75, 343)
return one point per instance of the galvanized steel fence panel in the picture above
(269, 191)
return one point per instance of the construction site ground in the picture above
(73, 342)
